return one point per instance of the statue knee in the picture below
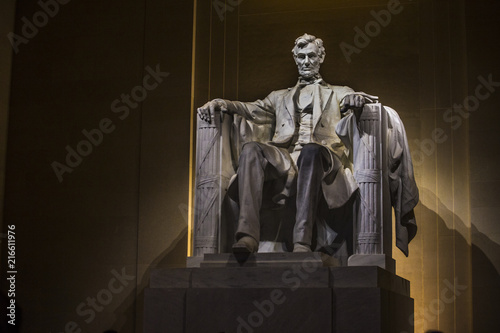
(311, 151)
(250, 149)
(251, 153)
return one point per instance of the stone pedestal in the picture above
(300, 296)
(380, 260)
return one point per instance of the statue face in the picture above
(308, 61)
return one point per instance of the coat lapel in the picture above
(324, 94)
(290, 98)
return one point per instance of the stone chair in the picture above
(378, 158)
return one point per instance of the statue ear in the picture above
(322, 58)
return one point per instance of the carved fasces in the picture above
(213, 172)
(372, 221)
(207, 188)
(367, 172)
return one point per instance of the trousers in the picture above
(255, 169)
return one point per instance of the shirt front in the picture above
(304, 117)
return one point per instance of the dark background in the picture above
(124, 208)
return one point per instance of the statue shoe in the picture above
(297, 247)
(246, 244)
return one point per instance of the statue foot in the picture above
(297, 247)
(245, 244)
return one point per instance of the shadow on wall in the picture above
(485, 283)
(484, 271)
(130, 313)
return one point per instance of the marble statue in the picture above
(304, 159)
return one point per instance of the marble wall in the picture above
(482, 64)
(7, 13)
(90, 226)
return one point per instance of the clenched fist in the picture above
(357, 101)
(206, 111)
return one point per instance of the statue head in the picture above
(309, 54)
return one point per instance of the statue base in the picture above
(300, 295)
(380, 260)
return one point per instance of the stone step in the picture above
(268, 259)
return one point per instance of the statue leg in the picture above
(312, 165)
(251, 176)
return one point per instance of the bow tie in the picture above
(315, 80)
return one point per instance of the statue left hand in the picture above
(357, 101)
(207, 111)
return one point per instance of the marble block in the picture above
(300, 297)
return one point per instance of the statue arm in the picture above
(259, 112)
(342, 92)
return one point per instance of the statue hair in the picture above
(305, 40)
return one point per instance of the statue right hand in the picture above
(206, 111)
